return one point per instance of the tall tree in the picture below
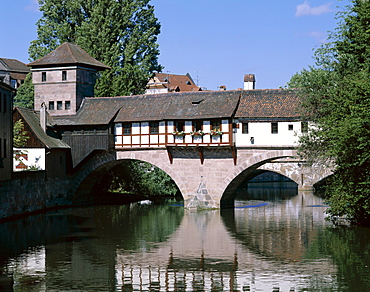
(336, 97)
(25, 93)
(120, 33)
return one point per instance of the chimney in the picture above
(43, 117)
(222, 87)
(249, 82)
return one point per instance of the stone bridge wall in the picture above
(31, 191)
(206, 185)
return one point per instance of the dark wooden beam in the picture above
(201, 156)
(234, 154)
(169, 154)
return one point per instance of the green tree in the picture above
(150, 180)
(25, 93)
(120, 33)
(138, 177)
(336, 98)
(20, 135)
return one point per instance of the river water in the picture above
(275, 240)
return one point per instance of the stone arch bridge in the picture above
(206, 178)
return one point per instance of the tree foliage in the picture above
(138, 177)
(20, 135)
(336, 98)
(25, 93)
(120, 33)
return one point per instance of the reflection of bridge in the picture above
(227, 253)
(228, 250)
(212, 183)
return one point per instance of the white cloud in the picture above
(33, 6)
(306, 9)
(320, 37)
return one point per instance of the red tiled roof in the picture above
(175, 82)
(268, 103)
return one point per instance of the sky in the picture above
(216, 41)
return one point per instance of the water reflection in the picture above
(274, 245)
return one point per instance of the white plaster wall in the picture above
(261, 132)
(156, 90)
(135, 128)
(31, 157)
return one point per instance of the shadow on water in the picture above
(59, 234)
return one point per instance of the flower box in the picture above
(179, 133)
(197, 133)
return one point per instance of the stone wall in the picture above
(31, 191)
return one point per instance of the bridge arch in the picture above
(101, 161)
(210, 183)
(247, 167)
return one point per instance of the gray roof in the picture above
(157, 107)
(176, 106)
(13, 65)
(93, 111)
(249, 104)
(68, 54)
(32, 118)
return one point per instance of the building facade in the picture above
(6, 131)
(63, 78)
(165, 83)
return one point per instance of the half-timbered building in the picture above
(199, 121)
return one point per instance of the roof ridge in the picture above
(68, 44)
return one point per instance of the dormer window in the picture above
(188, 82)
(43, 76)
(196, 100)
(64, 75)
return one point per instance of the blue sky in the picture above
(216, 41)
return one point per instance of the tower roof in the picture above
(68, 54)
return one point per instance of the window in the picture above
(51, 105)
(59, 105)
(304, 127)
(1, 100)
(64, 75)
(216, 125)
(188, 82)
(67, 105)
(0, 149)
(290, 127)
(153, 127)
(179, 126)
(43, 76)
(127, 129)
(274, 128)
(197, 126)
(245, 129)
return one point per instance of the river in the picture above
(276, 240)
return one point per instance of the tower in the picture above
(63, 78)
